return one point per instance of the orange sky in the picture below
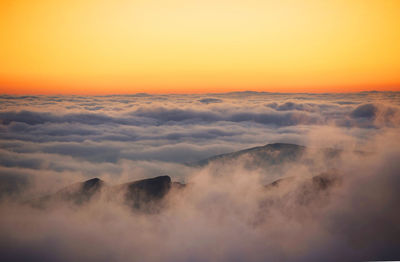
(185, 46)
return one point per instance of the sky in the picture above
(175, 46)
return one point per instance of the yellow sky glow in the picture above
(121, 46)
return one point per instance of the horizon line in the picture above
(197, 93)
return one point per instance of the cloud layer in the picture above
(48, 142)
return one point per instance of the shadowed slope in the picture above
(143, 193)
(262, 155)
(78, 193)
(82, 192)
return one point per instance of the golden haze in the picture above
(121, 46)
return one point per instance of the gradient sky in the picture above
(120, 46)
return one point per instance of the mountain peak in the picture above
(261, 154)
(93, 183)
(282, 145)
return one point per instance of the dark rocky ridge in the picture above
(137, 194)
(270, 154)
(147, 195)
(140, 194)
(78, 193)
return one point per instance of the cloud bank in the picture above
(225, 213)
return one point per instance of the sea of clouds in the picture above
(49, 142)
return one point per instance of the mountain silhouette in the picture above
(148, 194)
(137, 194)
(140, 194)
(270, 154)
